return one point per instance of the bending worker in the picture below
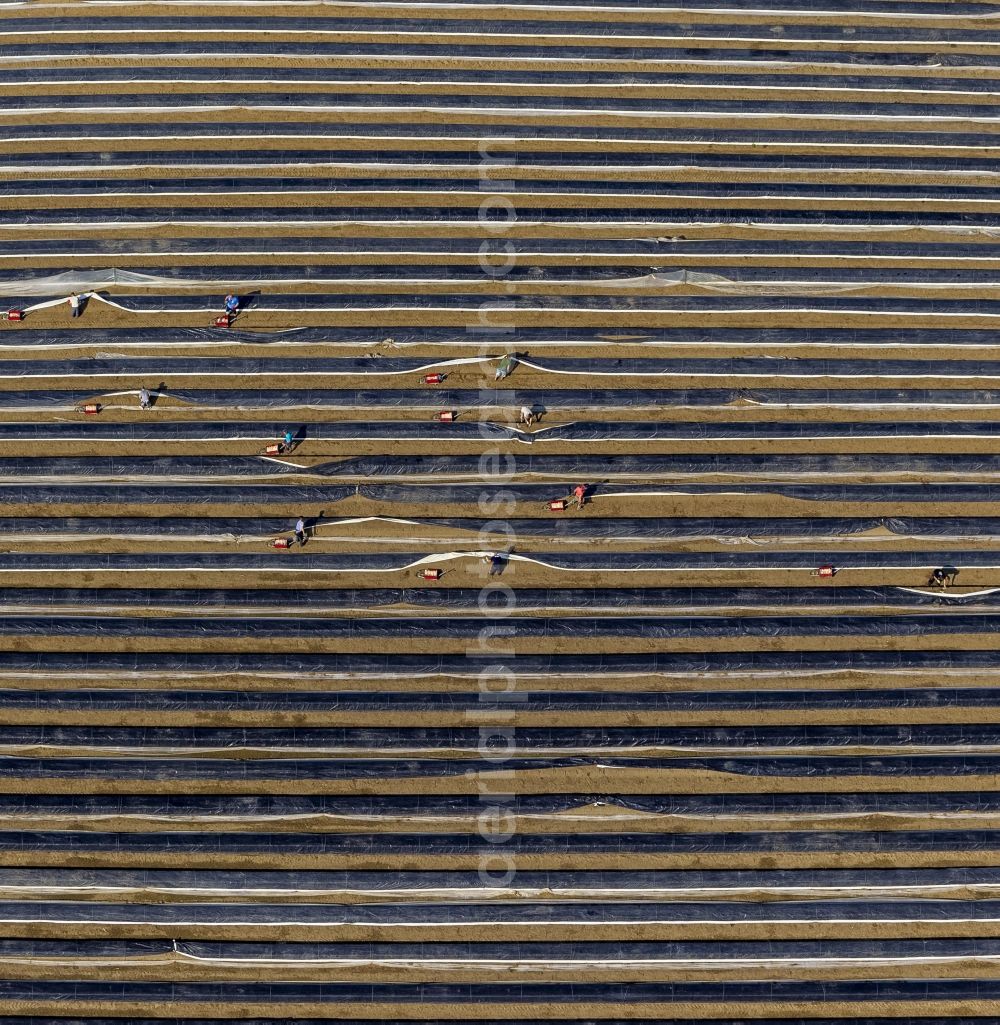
(505, 366)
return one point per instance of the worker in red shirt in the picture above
(580, 494)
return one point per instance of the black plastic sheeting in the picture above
(241, 249)
(510, 33)
(89, 697)
(442, 806)
(589, 467)
(511, 951)
(303, 561)
(596, 467)
(633, 994)
(153, 466)
(310, 773)
(554, 627)
(275, 277)
(541, 913)
(458, 101)
(339, 741)
(472, 430)
(521, 845)
(282, 189)
(541, 398)
(671, 23)
(341, 666)
(228, 123)
(620, 528)
(28, 336)
(401, 494)
(240, 496)
(563, 215)
(312, 602)
(425, 878)
(708, 75)
(389, 366)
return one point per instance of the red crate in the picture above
(434, 379)
(92, 408)
(273, 450)
(281, 542)
(557, 505)
(222, 321)
(431, 574)
(15, 315)
(446, 416)
(825, 571)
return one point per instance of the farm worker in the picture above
(300, 531)
(232, 304)
(528, 416)
(289, 439)
(496, 561)
(505, 366)
(144, 397)
(940, 578)
(580, 494)
(74, 305)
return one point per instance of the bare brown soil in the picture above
(542, 317)
(500, 12)
(587, 778)
(178, 968)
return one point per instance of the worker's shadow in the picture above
(314, 521)
(247, 301)
(298, 437)
(155, 393)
